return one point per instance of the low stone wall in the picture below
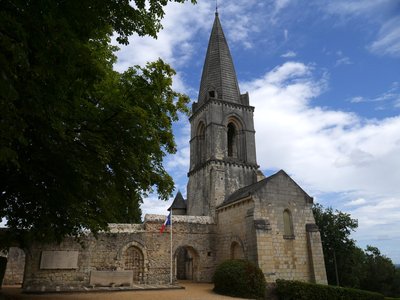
(137, 248)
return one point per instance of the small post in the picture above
(171, 267)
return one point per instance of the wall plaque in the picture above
(59, 260)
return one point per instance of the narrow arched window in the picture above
(287, 224)
(232, 151)
(201, 143)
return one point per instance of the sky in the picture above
(324, 78)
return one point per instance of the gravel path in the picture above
(192, 291)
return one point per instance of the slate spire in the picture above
(178, 206)
(219, 77)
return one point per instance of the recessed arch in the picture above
(287, 224)
(235, 139)
(237, 251)
(186, 260)
(133, 256)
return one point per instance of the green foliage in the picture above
(356, 268)
(296, 290)
(379, 273)
(80, 143)
(339, 249)
(239, 278)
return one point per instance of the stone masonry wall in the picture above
(281, 256)
(106, 253)
(15, 267)
(234, 227)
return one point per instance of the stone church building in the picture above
(231, 210)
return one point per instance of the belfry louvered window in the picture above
(232, 140)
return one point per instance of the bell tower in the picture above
(222, 144)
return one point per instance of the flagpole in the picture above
(171, 249)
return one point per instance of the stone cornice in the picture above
(225, 163)
(220, 102)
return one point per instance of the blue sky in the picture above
(325, 82)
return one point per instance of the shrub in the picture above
(296, 290)
(239, 278)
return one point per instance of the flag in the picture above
(166, 223)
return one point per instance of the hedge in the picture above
(239, 278)
(296, 290)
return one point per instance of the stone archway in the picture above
(186, 263)
(133, 260)
(133, 257)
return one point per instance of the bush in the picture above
(239, 278)
(296, 290)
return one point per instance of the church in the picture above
(232, 210)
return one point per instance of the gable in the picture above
(279, 183)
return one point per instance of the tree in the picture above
(348, 265)
(380, 273)
(80, 143)
(339, 249)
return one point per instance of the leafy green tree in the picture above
(348, 265)
(339, 249)
(80, 144)
(380, 273)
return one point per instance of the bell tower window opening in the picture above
(232, 140)
(201, 143)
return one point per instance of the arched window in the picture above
(232, 140)
(201, 143)
(133, 260)
(236, 251)
(287, 224)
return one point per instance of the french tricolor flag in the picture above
(166, 223)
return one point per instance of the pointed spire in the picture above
(219, 77)
(179, 203)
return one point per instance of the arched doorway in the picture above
(133, 260)
(186, 263)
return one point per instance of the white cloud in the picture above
(343, 61)
(152, 205)
(377, 12)
(289, 54)
(280, 4)
(357, 99)
(388, 41)
(355, 7)
(387, 99)
(181, 23)
(356, 202)
(327, 151)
